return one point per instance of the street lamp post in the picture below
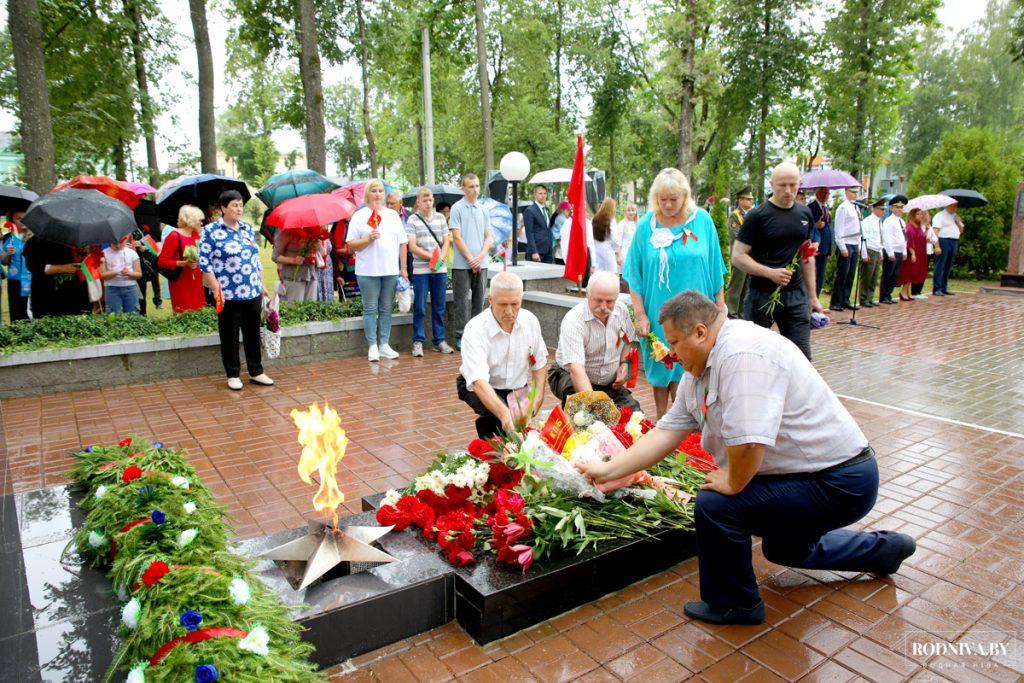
(514, 168)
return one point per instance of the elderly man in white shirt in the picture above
(949, 227)
(847, 229)
(871, 253)
(794, 466)
(894, 245)
(502, 351)
(593, 344)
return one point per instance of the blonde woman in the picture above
(675, 249)
(625, 229)
(187, 287)
(376, 235)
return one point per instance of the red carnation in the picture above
(481, 449)
(125, 442)
(460, 558)
(154, 572)
(131, 473)
(388, 515)
(422, 516)
(456, 494)
(509, 500)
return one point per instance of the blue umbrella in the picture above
(501, 218)
(198, 190)
(291, 184)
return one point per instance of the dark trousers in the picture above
(487, 424)
(468, 292)
(793, 315)
(869, 273)
(546, 256)
(821, 260)
(890, 272)
(944, 263)
(846, 267)
(149, 276)
(800, 520)
(562, 387)
(244, 316)
(16, 303)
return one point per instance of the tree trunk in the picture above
(485, 94)
(861, 94)
(134, 14)
(611, 164)
(204, 58)
(686, 92)
(371, 146)
(312, 87)
(33, 94)
(120, 165)
(762, 114)
(558, 68)
(419, 147)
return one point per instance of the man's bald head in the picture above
(785, 181)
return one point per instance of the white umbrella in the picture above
(556, 175)
(929, 201)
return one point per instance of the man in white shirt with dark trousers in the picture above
(847, 229)
(949, 227)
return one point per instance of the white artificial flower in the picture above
(180, 482)
(580, 419)
(189, 507)
(130, 614)
(239, 591)
(97, 540)
(391, 498)
(137, 674)
(597, 427)
(101, 491)
(257, 641)
(187, 536)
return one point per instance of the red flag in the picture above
(576, 259)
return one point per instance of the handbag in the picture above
(171, 274)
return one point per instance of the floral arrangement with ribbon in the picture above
(192, 610)
(804, 253)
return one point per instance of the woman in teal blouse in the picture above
(675, 248)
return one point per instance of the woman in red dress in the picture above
(914, 269)
(187, 288)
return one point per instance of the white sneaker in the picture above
(234, 383)
(387, 352)
(443, 347)
(920, 296)
(373, 355)
(417, 349)
(262, 380)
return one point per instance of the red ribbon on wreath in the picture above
(633, 358)
(196, 636)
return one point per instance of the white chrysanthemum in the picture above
(391, 498)
(189, 507)
(187, 536)
(180, 482)
(239, 591)
(597, 427)
(97, 540)
(101, 491)
(130, 614)
(137, 674)
(257, 641)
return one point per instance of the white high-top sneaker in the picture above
(374, 353)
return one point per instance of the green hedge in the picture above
(79, 330)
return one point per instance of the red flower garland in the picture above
(197, 636)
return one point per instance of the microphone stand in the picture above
(857, 274)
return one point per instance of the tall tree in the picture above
(207, 119)
(364, 70)
(868, 81)
(133, 13)
(33, 96)
(484, 79)
(312, 86)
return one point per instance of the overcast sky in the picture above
(183, 117)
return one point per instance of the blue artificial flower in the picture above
(206, 673)
(158, 444)
(158, 517)
(87, 449)
(191, 619)
(146, 492)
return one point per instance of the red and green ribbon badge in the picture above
(150, 244)
(532, 359)
(689, 234)
(436, 264)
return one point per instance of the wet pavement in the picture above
(959, 489)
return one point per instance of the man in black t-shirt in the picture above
(769, 239)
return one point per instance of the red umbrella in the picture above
(117, 189)
(310, 211)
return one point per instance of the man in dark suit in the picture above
(538, 228)
(822, 233)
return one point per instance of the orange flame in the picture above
(323, 446)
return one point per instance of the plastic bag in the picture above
(271, 343)
(403, 295)
(561, 475)
(270, 332)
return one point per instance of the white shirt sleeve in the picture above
(570, 341)
(540, 349)
(475, 366)
(678, 417)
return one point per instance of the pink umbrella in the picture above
(139, 189)
(354, 191)
(832, 178)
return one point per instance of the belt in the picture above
(865, 454)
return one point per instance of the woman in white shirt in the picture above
(624, 231)
(377, 236)
(607, 256)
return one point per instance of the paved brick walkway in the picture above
(958, 490)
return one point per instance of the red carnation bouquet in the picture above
(803, 254)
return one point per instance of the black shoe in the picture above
(853, 307)
(948, 293)
(725, 615)
(938, 294)
(888, 301)
(837, 309)
(899, 548)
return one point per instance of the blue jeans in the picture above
(122, 298)
(378, 292)
(800, 519)
(944, 263)
(435, 284)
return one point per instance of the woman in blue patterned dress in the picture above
(675, 248)
(230, 261)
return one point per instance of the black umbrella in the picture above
(79, 218)
(197, 190)
(967, 199)
(14, 198)
(449, 194)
